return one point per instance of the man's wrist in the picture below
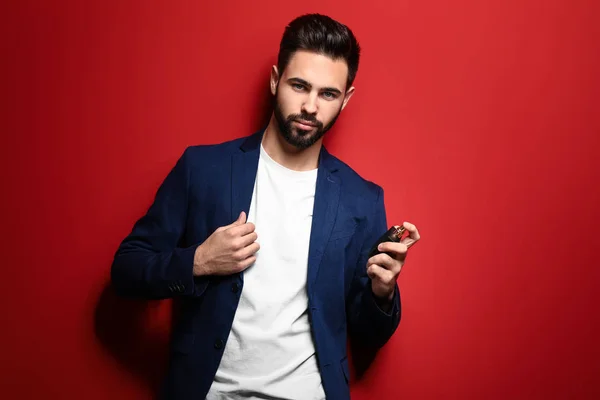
(198, 268)
(385, 302)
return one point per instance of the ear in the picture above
(347, 96)
(274, 79)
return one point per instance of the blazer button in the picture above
(218, 344)
(235, 287)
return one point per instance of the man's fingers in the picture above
(372, 271)
(396, 250)
(413, 234)
(375, 272)
(386, 262)
(239, 221)
(242, 265)
(239, 243)
(386, 266)
(248, 239)
(382, 259)
(247, 251)
(239, 227)
(242, 230)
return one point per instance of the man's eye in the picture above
(329, 95)
(298, 86)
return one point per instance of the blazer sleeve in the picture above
(149, 262)
(367, 322)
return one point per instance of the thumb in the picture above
(241, 219)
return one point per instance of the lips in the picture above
(305, 124)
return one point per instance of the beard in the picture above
(297, 137)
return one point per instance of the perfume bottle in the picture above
(392, 235)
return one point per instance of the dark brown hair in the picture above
(323, 35)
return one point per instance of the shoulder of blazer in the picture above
(214, 153)
(353, 183)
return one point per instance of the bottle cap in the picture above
(398, 231)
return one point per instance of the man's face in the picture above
(309, 96)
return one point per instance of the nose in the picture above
(310, 104)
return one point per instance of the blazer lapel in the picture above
(244, 166)
(243, 175)
(327, 197)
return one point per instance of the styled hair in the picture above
(322, 35)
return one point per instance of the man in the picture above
(266, 238)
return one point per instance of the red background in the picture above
(480, 120)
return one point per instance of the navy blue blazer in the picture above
(207, 188)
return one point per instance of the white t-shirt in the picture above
(270, 351)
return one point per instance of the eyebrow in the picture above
(305, 83)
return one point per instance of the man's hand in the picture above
(230, 249)
(383, 269)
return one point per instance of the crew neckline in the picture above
(285, 169)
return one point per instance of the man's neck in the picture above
(287, 155)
